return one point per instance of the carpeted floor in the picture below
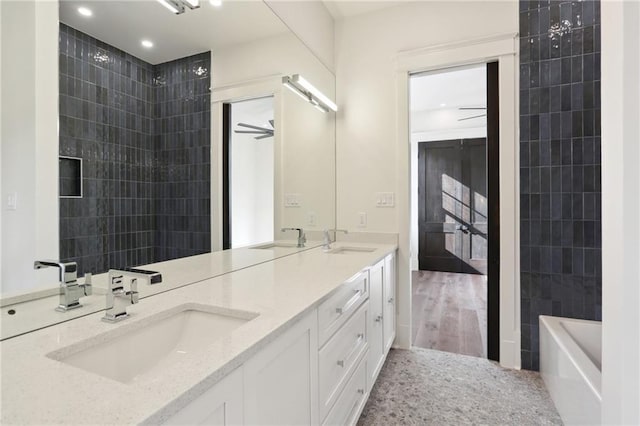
(428, 387)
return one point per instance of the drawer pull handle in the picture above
(341, 363)
(350, 303)
(361, 391)
(379, 318)
(390, 300)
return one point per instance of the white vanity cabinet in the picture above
(375, 324)
(281, 381)
(222, 405)
(382, 324)
(389, 302)
(320, 370)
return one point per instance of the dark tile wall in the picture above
(108, 117)
(560, 201)
(182, 140)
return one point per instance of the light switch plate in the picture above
(12, 201)
(292, 200)
(385, 199)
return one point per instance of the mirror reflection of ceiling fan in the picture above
(473, 109)
(262, 132)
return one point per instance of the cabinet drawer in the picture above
(347, 409)
(338, 358)
(334, 311)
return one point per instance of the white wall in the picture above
(620, 212)
(305, 137)
(367, 145)
(312, 23)
(29, 141)
(274, 56)
(252, 175)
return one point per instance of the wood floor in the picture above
(450, 312)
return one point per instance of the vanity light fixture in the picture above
(85, 11)
(301, 87)
(173, 6)
(147, 43)
(192, 4)
(178, 6)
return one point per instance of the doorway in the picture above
(453, 125)
(248, 172)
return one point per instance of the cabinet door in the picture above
(375, 322)
(281, 380)
(389, 300)
(220, 405)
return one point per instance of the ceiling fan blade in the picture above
(472, 117)
(251, 126)
(257, 132)
(264, 136)
(471, 108)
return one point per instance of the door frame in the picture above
(241, 91)
(503, 50)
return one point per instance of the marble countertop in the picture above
(29, 315)
(37, 389)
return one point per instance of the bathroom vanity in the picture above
(297, 340)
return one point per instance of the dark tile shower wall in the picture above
(131, 146)
(182, 187)
(106, 118)
(560, 201)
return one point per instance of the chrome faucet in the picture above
(70, 290)
(118, 299)
(301, 237)
(326, 243)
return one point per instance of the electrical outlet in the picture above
(385, 199)
(362, 220)
(311, 219)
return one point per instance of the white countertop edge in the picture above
(172, 404)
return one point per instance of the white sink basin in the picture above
(275, 244)
(351, 250)
(151, 348)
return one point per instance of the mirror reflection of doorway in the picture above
(451, 210)
(248, 172)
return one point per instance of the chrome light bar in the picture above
(178, 6)
(301, 87)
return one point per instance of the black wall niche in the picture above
(113, 116)
(560, 201)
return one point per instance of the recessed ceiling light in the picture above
(146, 43)
(84, 11)
(443, 105)
(216, 3)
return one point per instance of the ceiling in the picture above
(341, 9)
(124, 24)
(436, 99)
(257, 112)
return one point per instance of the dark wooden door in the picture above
(452, 206)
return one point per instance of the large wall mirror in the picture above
(176, 138)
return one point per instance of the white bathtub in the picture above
(570, 365)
